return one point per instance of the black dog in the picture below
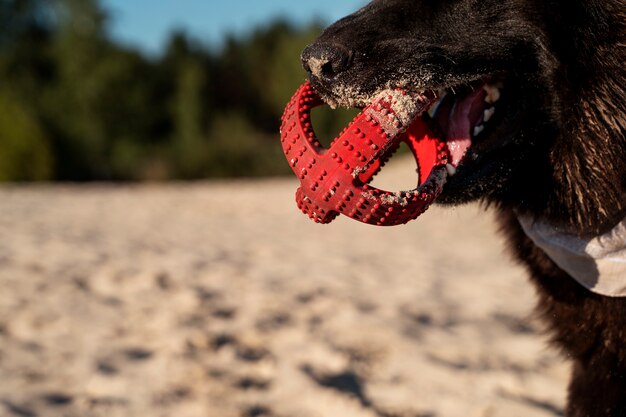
(535, 116)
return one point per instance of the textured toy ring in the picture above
(336, 180)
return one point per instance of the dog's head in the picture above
(518, 82)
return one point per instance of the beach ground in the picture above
(220, 299)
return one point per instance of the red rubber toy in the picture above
(335, 181)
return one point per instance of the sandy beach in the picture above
(220, 299)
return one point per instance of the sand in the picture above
(222, 300)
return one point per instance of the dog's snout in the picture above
(326, 61)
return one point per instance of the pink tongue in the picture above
(464, 116)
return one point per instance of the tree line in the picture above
(76, 106)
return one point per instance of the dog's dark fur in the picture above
(558, 152)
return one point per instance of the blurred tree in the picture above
(189, 71)
(25, 68)
(75, 104)
(25, 154)
(95, 110)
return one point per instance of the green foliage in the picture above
(238, 149)
(25, 153)
(90, 109)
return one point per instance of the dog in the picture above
(532, 101)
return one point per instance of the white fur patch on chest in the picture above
(599, 263)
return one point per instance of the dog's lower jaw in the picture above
(500, 177)
(469, 184)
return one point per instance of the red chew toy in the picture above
(335, 180)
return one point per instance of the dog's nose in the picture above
(326, 61)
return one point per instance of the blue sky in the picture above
(147, 23)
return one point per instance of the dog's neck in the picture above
(598, 263)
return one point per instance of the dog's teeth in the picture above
(478, 129)
(432, 111)
(488, 114)
(493, 93)
(451, 169)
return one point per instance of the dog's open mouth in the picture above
(440, 128)
(464, 116)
